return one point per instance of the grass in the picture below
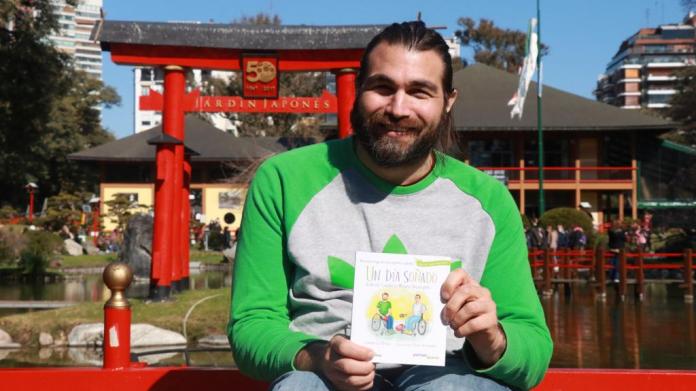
(208, 318)
(87, 261)
(206, 257)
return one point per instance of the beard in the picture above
(371, 132)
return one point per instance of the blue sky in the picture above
(583, 34)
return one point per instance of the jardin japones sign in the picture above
(193, 101)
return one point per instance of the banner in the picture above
(527, 71)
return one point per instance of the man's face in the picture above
(401, 108)
(385, 296)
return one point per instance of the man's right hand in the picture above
(345, 364)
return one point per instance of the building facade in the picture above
(73, 36)
(642, 72)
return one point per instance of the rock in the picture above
(137, 245)
(60, 340)
(90, 334)
(72, 247)
(215, 341)
(152, 359)
(6, 352)
(45, 339)
(6, 340)
(88, 356)
(45, 353)
(141, 335)
(149, 335)
(228, 254)
(90, 248)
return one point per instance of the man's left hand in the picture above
(471, 312)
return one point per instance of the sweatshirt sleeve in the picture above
(263, 345)
(507, 275)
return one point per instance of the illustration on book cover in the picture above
(396, 307)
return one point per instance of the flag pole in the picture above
(542, 201)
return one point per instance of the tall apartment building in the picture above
(72, 37)
(641, 73)
(147, 79)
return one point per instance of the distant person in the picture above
(617, 242)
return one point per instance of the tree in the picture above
(683, 107)
(500, 48)
(121, 209)
(290, 84)
(47, 109)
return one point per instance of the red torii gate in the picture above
(261, 52)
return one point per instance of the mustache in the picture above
(384, 122)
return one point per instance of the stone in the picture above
(6, 340)
(215, 341)
(72, 247)
(142, 335)
(148, 335)
(45, 339)
(137, 245)
(61, 339)
(90, 334)
(90, 248)
(228, 254)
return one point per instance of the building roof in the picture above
(485, 91)
(229, 36)
(208, 144)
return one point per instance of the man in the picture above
(384, 308)
(384, 190)
(417, 311)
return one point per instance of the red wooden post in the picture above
(31, 205)
(173, 125)
(601, 275)
(547, 291)
(345, 92)
(185, 224)
(117, 317)
(95, 222)
(689, 275)
(640, 277)
(622, 274)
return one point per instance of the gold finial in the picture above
(117, 276)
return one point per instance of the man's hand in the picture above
(346, 364)
(471, 312)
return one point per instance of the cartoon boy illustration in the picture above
(384, 309)
(417, 310)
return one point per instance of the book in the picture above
(397, 307)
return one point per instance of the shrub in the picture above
(40, 245)
(569, 217)
(525, 222)
(12, 243)
(7, 212)
(63, 209)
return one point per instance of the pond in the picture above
(658, 333)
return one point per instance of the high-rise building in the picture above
(641, 73)
(73, 35)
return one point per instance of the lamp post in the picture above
(31, 188)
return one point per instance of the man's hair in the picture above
(413, 36)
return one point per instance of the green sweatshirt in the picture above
(309, 210)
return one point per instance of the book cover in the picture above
(397, 307)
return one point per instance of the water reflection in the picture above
(658, 333)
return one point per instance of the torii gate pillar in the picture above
(345, 93)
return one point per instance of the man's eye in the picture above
(421, 94)
(382, 89)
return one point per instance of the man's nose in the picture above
(398, 105)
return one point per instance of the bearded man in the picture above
(390, 188)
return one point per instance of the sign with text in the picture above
(325, 103)
(259, 76)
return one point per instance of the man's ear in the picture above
(450, 100)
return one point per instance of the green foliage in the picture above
(7, 212)
(40, 246)
(47, 109)
(63, 209)
(11, 245)
(525, 221)
(500, 48)
(683, 108)
(569, 217)
(121, 209)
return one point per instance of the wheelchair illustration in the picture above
(379, 321)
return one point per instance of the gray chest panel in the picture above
(351, 215)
